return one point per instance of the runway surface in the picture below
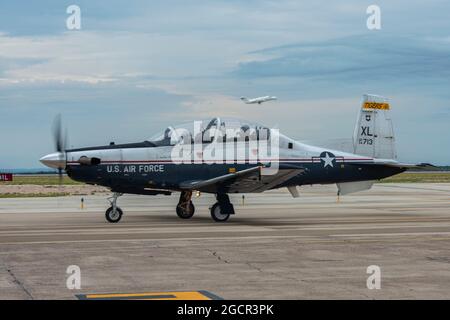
(274, 247)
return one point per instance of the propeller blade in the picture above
(60, 139)
(60, 177)
(66, 138)
(57, 134)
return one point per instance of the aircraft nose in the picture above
(55, 160)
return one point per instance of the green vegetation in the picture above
(417, 177)
(414, 177)
(33, 195)
(39, 180)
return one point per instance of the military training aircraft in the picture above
(224, 156)
(258, 100)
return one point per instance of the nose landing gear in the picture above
(113, 214)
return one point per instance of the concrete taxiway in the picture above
(274, 247)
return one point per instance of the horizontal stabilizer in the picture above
(423, 166)
(420, 166)
(407, 166)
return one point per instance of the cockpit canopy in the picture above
(207, 131)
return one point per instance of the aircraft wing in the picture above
(248, 180)
(252, 173)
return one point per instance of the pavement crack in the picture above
(327, 260)
(215, 254)
(254, 267)
(282, 276)
(439, 259)
(19, 283)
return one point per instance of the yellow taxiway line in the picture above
(171, 295)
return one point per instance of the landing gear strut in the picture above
(185, 208)
(113, 214)
(222, 209)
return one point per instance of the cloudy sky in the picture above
(138, 66)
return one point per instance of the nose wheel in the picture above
(113, 214)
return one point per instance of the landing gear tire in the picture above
(217, 215)
(186, 213)
(112, 215)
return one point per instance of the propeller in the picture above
(60, 145)
(57, 160)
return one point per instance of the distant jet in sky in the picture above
(258, 100)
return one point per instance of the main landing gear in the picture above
(113, 214)
(185, 208)
(222, 209)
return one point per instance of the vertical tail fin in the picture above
(374, 133)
